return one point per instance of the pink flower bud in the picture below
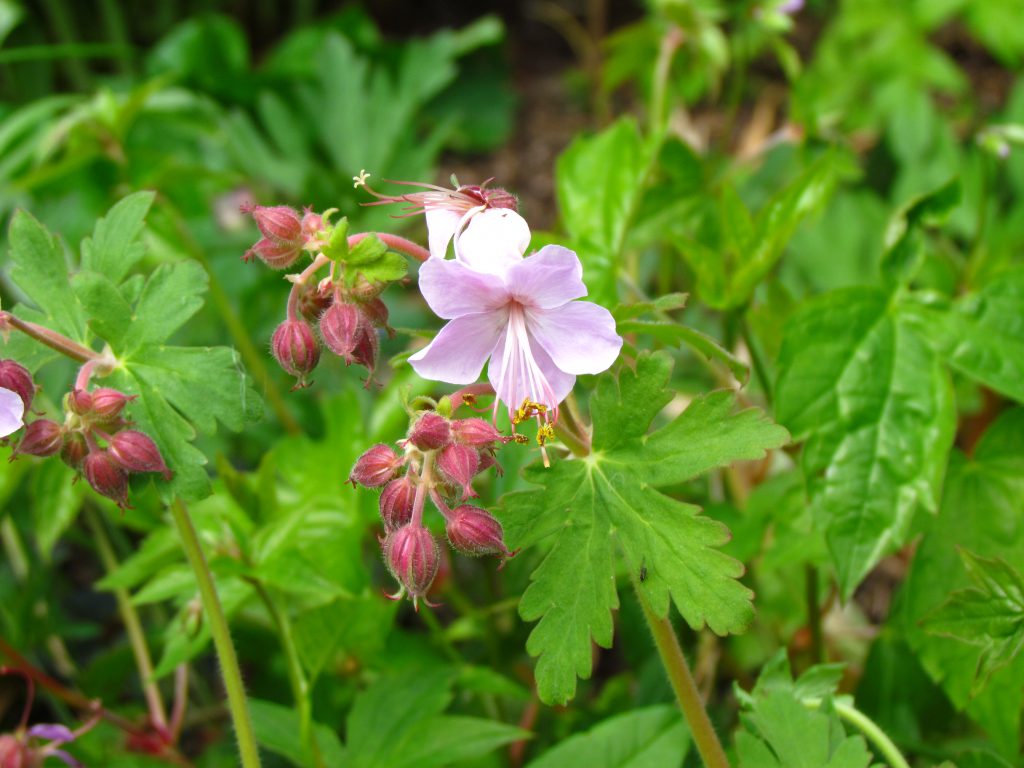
(412, 555)
(376, 311)
(367, 346)
(108, 403)
(14, 753)
(459, 463)
(274, 255)
(396, 502)
(312, 303)
(80, 401)
(295, 348)
(375, 467)
(74, 450)
(473, 531)
(277, 222)
(339, 327)
(475, 432)
(430, 432)
(106, 477)
(312, 223)
(15, 377)
(42, 438)
(136, 452)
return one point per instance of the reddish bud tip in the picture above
(339, 328)
(80, 401)
(312, 223)
(106, 477)
(475, 432)
(459, 463)
(295, 348)
(412, 555)
(367, 346)
(430, 432)
(74, 450)
(473, 531)
(375, 467)
(136, 452)
(108, 403)
(396, 502)
(42, 438)
(15, 377)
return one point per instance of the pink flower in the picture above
(12, 412)
(521, 313)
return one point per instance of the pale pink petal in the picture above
(458, 353)
(12, 412)
(441, 224)
(493, 241)
(580, 336)
(549, 278)
(54, 732)
(519, 374)
(452, 289)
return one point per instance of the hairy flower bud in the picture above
(312, 223)
(107, 403)
(283, 237)
(74, 450)
(474, 531)
(136, 452)
(375, 467)
(367, 346)
(106, 476)
(396, 502)
(312, 303)
(430, 432)
(15, 377)
(295, 348)
(459, 463)
(412, 555)
(80, 401)
(376, 311)
(475, 432)
(42, 438)
(339, 328)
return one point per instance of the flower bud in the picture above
(376, 311)
(15, 377)
(339, 326)
(367, 346)
(475, 432)
(74, 450)
(473, 531)
(412, 555)
(42, 438)
(312, 223)
(430, 432)
(312, 303)
(375, 467)
(80, 401)
(106, 477)
(136, 452)
(279, 223)
(107, 403)
(296, 349)
(396, 502)
(459, 463)
(274, 255)
(14, 753)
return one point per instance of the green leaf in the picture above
(990, 615)
(110, 315)
(638, 739)
(676, 333)
(113, 248)
(599, 183)
(980, 334)
(55, 504)
(39, 267)
(874, 405)
(981, 512)
(904, 246)
(607, 501)
(172, 294)
(278, 729)
(371, 259)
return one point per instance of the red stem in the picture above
(52, 339)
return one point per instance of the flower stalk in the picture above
(55, 341)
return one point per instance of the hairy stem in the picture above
(869, 728)
(132, 625)
(55, 341)
(680, 677)
(237, 703)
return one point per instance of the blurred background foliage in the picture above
(659, 139)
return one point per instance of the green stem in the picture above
(237, 704)
(63, 30)
(756, 358)
(132, 625)
(869, 728)
(814, 614)
(296, 676)
(685, 688)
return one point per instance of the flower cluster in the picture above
(94, 438)
(439, 460)
(31, 746)
(285, 234)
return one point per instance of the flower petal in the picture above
(441, 224)
(580, 336)
(549, 278)
(54, 732)
(514, 385)
(458, 353)
(12, 412)
(493, 240)
(452, 289)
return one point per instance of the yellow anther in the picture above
(521, 439)
(469, 399)
(528, 410)
(360, 180)
(544, 433)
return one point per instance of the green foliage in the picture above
(608, 501)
